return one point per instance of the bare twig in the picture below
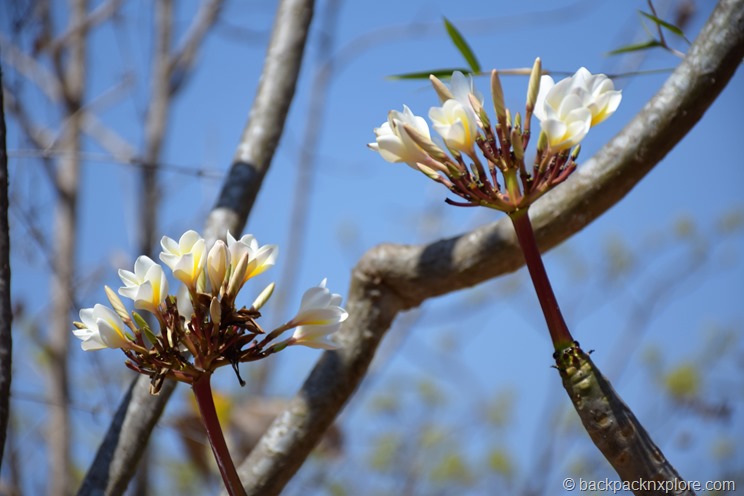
(31, 69)
(50, 85)
(41, 137)
(391, 278)
(185, 170)
(6, 313)
(660, 31)
(72, 79)
(182, 60)
(155, 126)
(97, 16)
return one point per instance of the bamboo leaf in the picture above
(660, 22)
(462, 46)
(440, 73)
(636, 47)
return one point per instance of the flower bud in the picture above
(215, 311)
(237, 278)
(479, 111)
(516, 141)
(144, 327)
(497, 93)
(117, 304)
(262, 298)
(575, 152)
(217, 266)
(534, 86)
(442, 90)
(429, 172)
(425, 143)
(542, 143)
(518, 122)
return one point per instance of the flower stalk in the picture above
(559, 333)
(203, 393)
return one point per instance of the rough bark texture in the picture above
(6, 312)
(265, 121)
(116, 461)
(390, 278)
(614, 428)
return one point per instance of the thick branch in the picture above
(6, 314)
(65, 224)
(613, 427)
(130, 430)
(266, 120)
(390, 278)
(126, 439)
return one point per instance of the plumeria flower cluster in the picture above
(566, 111)
(213, 332)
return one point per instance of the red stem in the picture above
(203, 393)
(559, 333)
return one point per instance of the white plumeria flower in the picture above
(563, 117)
(394, 145)
(462, 87)
(103, 328)
(600, 96)
(147, 285)
(318, 318)
(568, 109)
(259, 258)
(456, 124)
(186, 258)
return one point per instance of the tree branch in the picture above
(266, 120)
(6, 313)
(73, 79)
(391, 278)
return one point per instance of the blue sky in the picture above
(358, 200)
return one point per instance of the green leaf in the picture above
(463, 46)
(440, 73)
(671, 27)
(635, 47)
